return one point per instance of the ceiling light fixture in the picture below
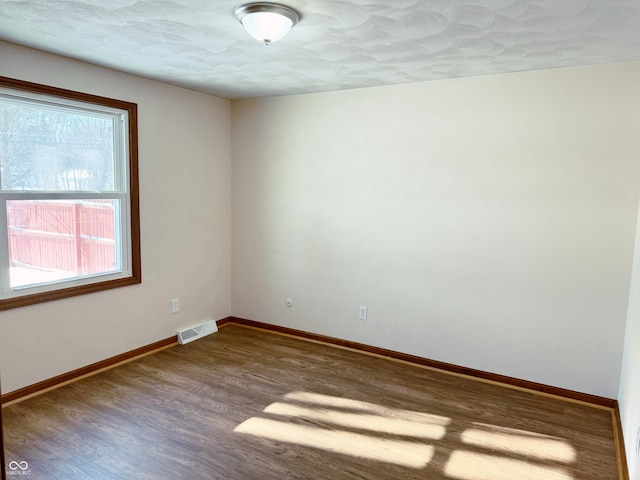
(267, 22)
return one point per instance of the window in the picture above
(69, 215)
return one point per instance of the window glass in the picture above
(53, 240)
(43, 148)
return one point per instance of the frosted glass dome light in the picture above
(267, 22)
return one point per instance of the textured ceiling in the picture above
(337, 45)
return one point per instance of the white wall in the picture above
(629, 393)
(185, 168)
(488, 222)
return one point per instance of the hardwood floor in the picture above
(249, 404)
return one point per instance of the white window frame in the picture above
(124, 115)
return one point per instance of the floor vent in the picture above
(190, 334)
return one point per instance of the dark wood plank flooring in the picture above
(249, 404)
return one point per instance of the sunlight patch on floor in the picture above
(464, 465)
(411, 439)
(519, 442)
(398, 452)
(361, 421)
(348, 404)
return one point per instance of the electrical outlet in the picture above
(175, 305)
(363, 313)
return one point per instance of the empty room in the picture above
(388, 239)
